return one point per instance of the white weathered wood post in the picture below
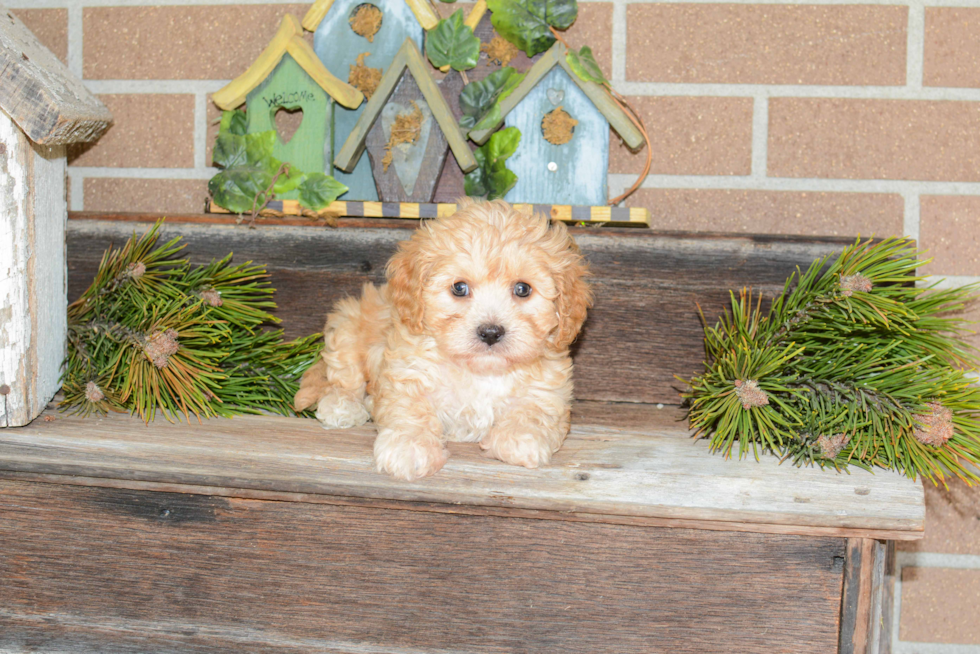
(43, 108)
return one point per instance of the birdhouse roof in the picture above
(424, 12)
(599, 96)
(408, 57)
(41, 95)
(289, 39)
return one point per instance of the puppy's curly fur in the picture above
(455, 347)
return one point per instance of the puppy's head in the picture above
(495, 287)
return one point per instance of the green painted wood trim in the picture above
(408, 57)
(617, 118)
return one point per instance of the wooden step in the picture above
(646, 472)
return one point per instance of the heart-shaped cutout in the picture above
(287, 123)
(555, 96)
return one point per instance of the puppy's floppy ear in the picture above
(405, 273)
(574, 294)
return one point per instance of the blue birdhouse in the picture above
(372, 30)
(564, 123)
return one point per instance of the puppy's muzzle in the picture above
(490, 334)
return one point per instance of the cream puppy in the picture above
(468, 341)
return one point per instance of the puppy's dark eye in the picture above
(460, 289)
(521, 289)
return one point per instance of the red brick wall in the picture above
(820, 119)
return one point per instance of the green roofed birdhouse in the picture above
(407, 128)
(358, 40)
(43, 109)
(288, 77)
(564, 123)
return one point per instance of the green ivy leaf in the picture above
(229, 151)
(584, 65)
(477, 97)
(501, 180)
(233, 122)
(491, 176)
(452, 43)
(258, 147)
(474, 182)
(319, 190)
(527, 23)
(503, 144)
(289, 180)
(239, 188)
(491, 119)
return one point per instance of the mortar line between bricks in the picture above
(142, 173)
(149, 86)
(200, 130)
(799, 91)
(620, 31)
(938, 560)
(760, 137)
(75, 41)
(949, 281)
(176, 86)
(915, 48)
(910, 220)
(77, 199)
(818, 185)
(903, 647)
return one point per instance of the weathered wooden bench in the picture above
(271, 534)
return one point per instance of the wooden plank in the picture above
(179, 573)
(33, 303)
(643, 330)
(866, 599)
(41, 95)
(654, 471)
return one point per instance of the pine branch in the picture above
(152, 333)
(853, 364)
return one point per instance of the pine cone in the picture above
(935, 428)
(749, 393)
(160, 346)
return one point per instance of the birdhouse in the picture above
(564, 123)
(407, 128)
(288, 77)
(43, 108)
(357, 40)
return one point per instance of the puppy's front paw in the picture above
(338, 411)
(518, 448)
(407, 456)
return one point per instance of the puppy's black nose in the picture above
(490, 334)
